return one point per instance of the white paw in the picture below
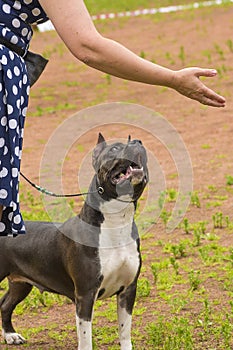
(13, 338)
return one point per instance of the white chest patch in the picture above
(118, 252)
(119, 267)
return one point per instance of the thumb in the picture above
(202, 72)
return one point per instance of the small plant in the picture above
(156, 333)
(178, 250)
(142, 54)
(219, 51)
(165, 216)
(175, 265)
(182, 55)
(169, 58)
(108, 79)
(207, 54)
(194, 279)
(218, 220)
(229, 180)
(155, 270)
(230, 44)
(143, 288)
(172, 195)
(205, 146)
(197, 237)
(231, 256)
(195, 199)
(202, 227)
(226, 330)
(186, 226)
(205, 321)
(161, 199)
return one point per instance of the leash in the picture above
(43, 190)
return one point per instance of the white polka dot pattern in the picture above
(14, 99)
(18, 16)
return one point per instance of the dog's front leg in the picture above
(84, 311)
(125, 302)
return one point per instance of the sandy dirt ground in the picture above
(70, 91)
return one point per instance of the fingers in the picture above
(205, 95)
(211, 102)
(213, 99)
(200, 72)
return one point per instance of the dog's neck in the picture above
(114, 217)
(116, 229)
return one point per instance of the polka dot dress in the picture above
(16, 18)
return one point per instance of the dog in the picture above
(91, 256)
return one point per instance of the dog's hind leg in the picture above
(16, 293)
(125, 303)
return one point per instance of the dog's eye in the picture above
(115, 148)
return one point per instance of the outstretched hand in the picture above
(187, 82)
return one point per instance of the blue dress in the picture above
(16, 18)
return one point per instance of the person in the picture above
(74, 25)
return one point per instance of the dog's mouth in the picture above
(132, 173)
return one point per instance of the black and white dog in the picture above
(92, 256)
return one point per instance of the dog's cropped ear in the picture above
(101, 139)
(101, 144)
(129, 138)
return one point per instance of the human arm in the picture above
(75, 26)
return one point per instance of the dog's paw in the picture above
(13, 338)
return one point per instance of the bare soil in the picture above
(67, 87)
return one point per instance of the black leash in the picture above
(100, 190)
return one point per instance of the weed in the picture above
(53, 109)
(156, 333)
(207, 54)
(221, 71)
(219, 51)
(165, 216)
(186, 226)
(178, 250)
(226, 331)
(108, 79)
(178, 303)
(218, 220)
(155, 270)
(212, 188)
(172, 195)
(205, 146)
(229, 180)
(161, 199)
(143, 288)
(181, 55)
(229, 43)
(169, 58)
(194, 279)
(202, 226)
(174, 334)
(197, 237)
(195, 199)
(142, 54)
(175, 265)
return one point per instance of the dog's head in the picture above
(121, 168)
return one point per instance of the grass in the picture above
(185, 290)
(190, 315)
(103, 6)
